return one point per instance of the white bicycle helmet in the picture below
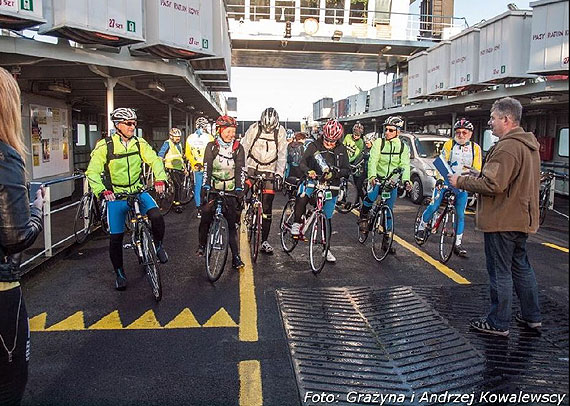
(269, 120)
(123, 114)
(394, 121)
(202, 122)
(370, 137)
(175, 132)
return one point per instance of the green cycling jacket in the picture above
(125, 169)
(354, 148)
(385, 158)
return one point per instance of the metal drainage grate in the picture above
(387, 345)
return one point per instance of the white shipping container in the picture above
(549, 39)
(182, 29)
(388, 95)
(504, 48)
(464, 59)
(361, 102)
(438, 58)
(21, 14)
(376, 98)
(417, 75)
(117, 22)
(352, 100)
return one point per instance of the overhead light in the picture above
(385, 49)
(60, 87)
(543, 99)
(337, 35)
(472, 107)
(429, 113)
(156, 85)
(178, 99)
(512, 6)
(311, 26)
(191, 107)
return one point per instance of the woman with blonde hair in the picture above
(19, 227)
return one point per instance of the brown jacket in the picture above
(508, 185)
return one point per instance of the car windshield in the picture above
(429, 148)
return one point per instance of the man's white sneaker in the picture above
(330, 256)
(295, 228)
(266, 248)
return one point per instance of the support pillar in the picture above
(346, 19)
(322, 7)
(169, 117)
(247, 11)
(297, 11)
(110, 84)
(272, 7)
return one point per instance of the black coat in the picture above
(337, 158)
(19, 226)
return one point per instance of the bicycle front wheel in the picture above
(166, 199)
(448, 235)
(346, 193)
(382, 233)
(544, 203)
(150, 262)
(84, 218)
(288, 243)
(217, 248)
(423, 206)
(254, 232)
(319, 244)
(187, 190)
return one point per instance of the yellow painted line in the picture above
(447, 271)
(556, 247)
(250, 390)
(248, 303)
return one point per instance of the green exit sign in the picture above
(27, 5)
(131, 26)
(204, 43)
(503, 68)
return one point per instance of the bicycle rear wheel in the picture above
(254, 231)
(382, 233)
(150, 262)
(288, 243)
(187, 190)
(448, 235)
(544, 203)
(319, 243)
(217, 248)
(423, 206)
(84, 218)
(347, 194)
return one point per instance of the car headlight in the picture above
(430, 172)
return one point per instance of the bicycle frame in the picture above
(449, 203)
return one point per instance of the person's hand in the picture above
(328, 175)
(408, 186)
(159, 186)
(108, 195)
(470, 171)
(439, 184)
(312, 174)
(453, 179)
(40, 198)
(198, 167)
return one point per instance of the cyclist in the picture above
(120, 157)
(224, 169)
(295, 151)
(462, 155)
(265, 145)
(171, 153)
(386, 154)
(326, 157)
(290, 135)
(195, 147)
(356, 149)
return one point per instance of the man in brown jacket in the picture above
(507, 210)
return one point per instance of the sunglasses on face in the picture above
(130, 123)
(390, 130)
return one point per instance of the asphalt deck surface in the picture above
(229, 343)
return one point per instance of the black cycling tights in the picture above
(116, 240)
(267, 202)
(13, 375)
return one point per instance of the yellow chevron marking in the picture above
(112, 321)
(185, 319)
(38, 323)
(220, 319)
(73, 322)
(147, 321)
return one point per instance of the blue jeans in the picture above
(198, 179)
(460, 205)
(508, 265)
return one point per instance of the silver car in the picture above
(424, 148)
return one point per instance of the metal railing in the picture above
(47, 216)
(418, 26)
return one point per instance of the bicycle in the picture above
(444, 220)
(254, 215)
(164, 200)
(142, 242)
(90, 214)
(288, 243)
(380, 221)
(187, 188)
(314, 219)
(348, 189)
(218, 238)
(546, 195)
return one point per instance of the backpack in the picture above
(258, 136)
(295, 153)
(112, 156)
(399, 153)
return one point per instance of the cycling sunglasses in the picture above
(129, 123)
